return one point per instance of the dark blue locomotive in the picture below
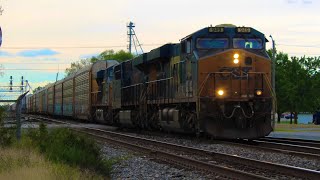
(215, 81)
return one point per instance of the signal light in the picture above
(236, 56)
(236, 61)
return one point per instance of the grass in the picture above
(17, 163)
(287, 127)
(64, 146)
(285, 130)
(55, 154)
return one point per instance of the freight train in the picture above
(216, 81)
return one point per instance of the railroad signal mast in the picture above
(132, 38)
(22, 88)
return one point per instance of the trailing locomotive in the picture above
(215, 81)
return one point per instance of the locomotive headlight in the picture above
(258, 92)
(220, 92)
(236, 61)
(236, 56)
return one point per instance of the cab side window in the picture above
(186, 46)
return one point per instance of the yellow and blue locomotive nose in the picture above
(233, 73)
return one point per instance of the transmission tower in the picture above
(132, 38)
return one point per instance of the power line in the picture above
(26, 69)
(303, 54)
(36, 63)
(296, 45)
(72, 47)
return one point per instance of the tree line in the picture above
(297, 84)
(105, 55)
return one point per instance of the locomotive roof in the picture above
(231, 30)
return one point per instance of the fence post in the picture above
(18, 115)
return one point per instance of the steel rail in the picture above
(272, 148)
(287, 146)
(285, 169)
(300, 142)
(164, 156)
(179, 160)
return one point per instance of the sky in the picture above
(47, 35)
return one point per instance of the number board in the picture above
(243, 29)
(216, 29)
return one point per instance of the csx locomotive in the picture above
(215, 81)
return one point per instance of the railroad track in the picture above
(288, 145)
(300, 148)
(300, 142)
(225, 165)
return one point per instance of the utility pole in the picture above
(130, 27)
(132, 38)
(273, 64)
(18, 114)
(57, 74)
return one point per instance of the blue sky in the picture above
(39, 34)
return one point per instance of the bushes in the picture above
(6, 134)
(17, 163)
(61, 146)
(64, 146)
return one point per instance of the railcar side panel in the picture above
(82, 91)
(68, 97)
(34, 103)
(50, 99)
(37, 102)
(44, 101)
(58, 99)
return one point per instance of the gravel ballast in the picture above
(251, 153)
(131, 166)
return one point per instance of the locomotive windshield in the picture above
(211, 43)
(241, 43)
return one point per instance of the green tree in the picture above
(112, 55)
(297, 84)
(75, 66)
(311, 89)
(282, 61)
(105, 55)
(37, 89)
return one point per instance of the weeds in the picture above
(25, 164)
(68, 153)
(6, 134)
(64, 146)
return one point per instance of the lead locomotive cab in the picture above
(235, 95)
